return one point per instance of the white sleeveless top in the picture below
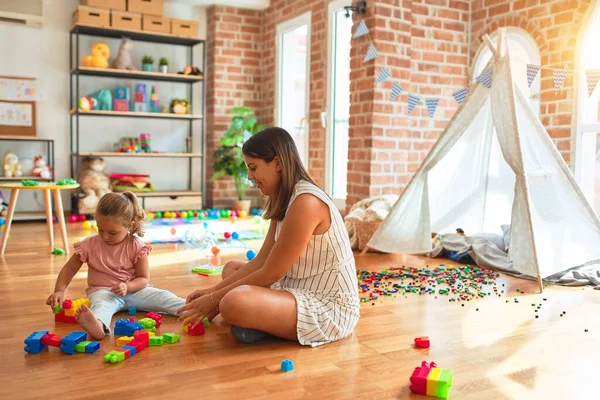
(323, 279)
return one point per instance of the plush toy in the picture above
(189, 70)
(103, 99)
(87, 103)
(98, 58)
(123, 60)
(11, 164)
(40, 168)
(179, 106)
(94, 184)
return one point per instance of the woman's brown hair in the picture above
(277, 142)
(125, 206)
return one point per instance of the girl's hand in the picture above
(55, 298)
(195, 311)
(119, 289)
(197, 294)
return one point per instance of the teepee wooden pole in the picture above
(489, 44)
(500, 42)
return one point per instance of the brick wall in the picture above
(554, 24)
(233, 78)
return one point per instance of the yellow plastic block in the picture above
(185, 328)
(432, 381)
(151, 334)
(123, 340)
(70, 312)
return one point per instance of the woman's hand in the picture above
(55, 298)
(195, 311)
(197, 294)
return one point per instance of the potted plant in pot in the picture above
(147, 63)
(229, 160)
(163, 65)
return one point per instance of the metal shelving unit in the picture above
(195, 132)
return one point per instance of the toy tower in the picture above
(154, 104)
(121, 101)
(140, 100)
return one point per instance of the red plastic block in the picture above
(126, 352)
(156, 317)
(422, 341)
(142, 336)
(66, 303)
(61, 317)
(137, 345)
(198, 330)
(51, 339)
(419, 379)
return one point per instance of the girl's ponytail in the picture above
(139, 215)
(126, 206)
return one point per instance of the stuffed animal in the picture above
(123, 60)
(87, 103)
(12, 168)
(98, 58)
(179, 106)
(94, 184)
(189, 70)
(103, 99)
(40, 168)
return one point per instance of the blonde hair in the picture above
(124, 205)
(277, 142)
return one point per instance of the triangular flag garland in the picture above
(532, 71)
(361, 30)
(383, 74)
(371, 53)
(432, 105)
(485, 78)
(592, 75)
(559, 78)
(396, 90)
(460, 95)
(413, 100)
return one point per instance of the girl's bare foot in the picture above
(88, 321)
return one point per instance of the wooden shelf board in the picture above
(123, 73)
(20, 178)
(159, 155)
(135, 114)
(134, 34)
(29, 138)
(175, 193)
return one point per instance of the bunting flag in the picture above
(593, 75)
(413, 100)
(383, 74)
(532, 71)
(361, 30)
(460, 95)
(371, 53)
(432, 105)
(559, 78)
(396, 90)
(485, 78)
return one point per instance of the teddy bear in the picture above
(40, 168)
(12, 168)
(99, 57)
(94, 184)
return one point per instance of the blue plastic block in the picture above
(125, 328)
(287, 365)
(67, 344)
(130, 348)
(34, 342)
(92, 347)
(132, 311)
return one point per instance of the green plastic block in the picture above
(147, 323)
(171, 337)
(80, 347)
(29, 182)
(444, 384)
(156, 340)
(67, 181)
(208, 269)
(57, 308)
(206, 322)
(114, 357)
(153, 329)
(58, 251)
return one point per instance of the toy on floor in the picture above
(141, 340)
(99, 56)
(431, 381)
(287, 365)
(132, 311)
(73, 343)
(66, 311)
(422, 342)
(41, 168)
(126, 327)
(123, 60)
(11, 165)
(57, 251)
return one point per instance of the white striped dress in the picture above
(323, 279)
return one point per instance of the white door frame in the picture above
(303, 19)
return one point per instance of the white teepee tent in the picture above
(495, 164)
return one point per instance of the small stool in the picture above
(46, 188)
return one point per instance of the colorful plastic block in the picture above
(156, 341)
(122, 93)
(422, 342)
(114, 357)
(206, 322)
(125, 327)
(80, 347)
(171, 337)
(123, 340)
(132, 311)
(120, 105)
(34, 342)
(92, 347)
(69, 342)
(147, 323)
(69, 310)
(197, 331)
(287, 365)
(132, 350)
(51, 340)
(156, 317)
(431, 381)
(57, 309)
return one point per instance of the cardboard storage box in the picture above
(110, 4)
(152, 7)
(153, 23)
(126, 20)
(184, 27)
(84, 15)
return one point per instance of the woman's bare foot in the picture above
(88, 321)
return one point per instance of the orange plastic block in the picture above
(123, 340)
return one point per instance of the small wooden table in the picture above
(46, 188)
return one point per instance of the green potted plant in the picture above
(147, 63)
(163, 65)
(229, 160)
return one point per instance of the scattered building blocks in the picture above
(156, 341)
(147, 323)
(132, 311)
(114, 357)
(431, 381)
(126, 327)
(69, 342)
(171, 337)
(156, 317)
(73, 343)
(197, 331)
(123, 340)
(422, 341)
(66, 313)
(141, 340)
(287, 365)
(33, 343)
(57, 309)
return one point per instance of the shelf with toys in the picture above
(137, 100)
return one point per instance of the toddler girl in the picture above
(118, 272)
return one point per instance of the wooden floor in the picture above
(498, 352)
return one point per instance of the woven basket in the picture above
(364, 231)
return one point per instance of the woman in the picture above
(302, 285)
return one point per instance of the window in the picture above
(587, 150)
(293, 66)
(338, 101)
(523, 50)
